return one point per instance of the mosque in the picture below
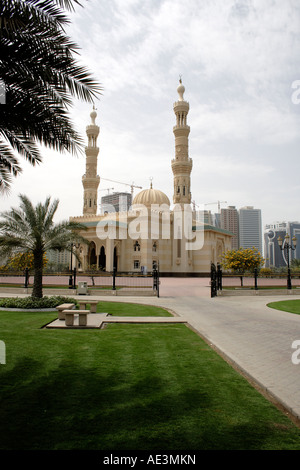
(150, 234)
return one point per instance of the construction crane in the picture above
(126, 184)
(218, 202)
(107, 189)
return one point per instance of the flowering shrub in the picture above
(20, 261)
(242, 260)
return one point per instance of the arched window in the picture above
(137, 246)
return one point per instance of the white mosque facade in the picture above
(151, 234)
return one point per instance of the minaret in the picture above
(181, 164)
(91, 180)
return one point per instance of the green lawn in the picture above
(292, 306)
(133, 310)
(127, 387)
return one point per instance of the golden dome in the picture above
(147, 197)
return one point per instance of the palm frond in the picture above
(41, 76)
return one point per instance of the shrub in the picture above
(35, 303)
(266, 271)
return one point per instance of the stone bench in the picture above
(69, 317)
(92, 303)
(61, 308)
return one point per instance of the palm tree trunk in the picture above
(38, 274)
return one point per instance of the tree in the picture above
(242, 260)
(295, 264)
(40, 76)
(23, 260)
(32, 229)
(93, 270)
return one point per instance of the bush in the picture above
(266, 271)
(31, 302)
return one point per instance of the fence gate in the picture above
(213, 280)
(156, 281)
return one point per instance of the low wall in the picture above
(241, 292)
(69, 292)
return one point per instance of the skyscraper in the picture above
(230, 222)
(273, 254)
(250, 229)
(119, 202)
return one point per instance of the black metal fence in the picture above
(105, 280)
(255, 280)
(215, 279)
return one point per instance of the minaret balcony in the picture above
(182, 166)
(92, 130)
(90, 180)
(180, 106)
(181, 130)
(93, 151)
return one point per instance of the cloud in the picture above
(238, 59)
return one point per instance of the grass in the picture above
(132, 310)
(127, 387)
(291, 306)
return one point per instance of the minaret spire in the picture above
(91, 180)
(181, 164)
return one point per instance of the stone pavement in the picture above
(97, 320)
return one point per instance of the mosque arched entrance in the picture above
(102, 258)
(92, 254)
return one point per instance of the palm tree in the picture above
(32, 230)
(39, 76)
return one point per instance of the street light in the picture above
(72, 281)
(288, 246)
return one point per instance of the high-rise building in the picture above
(216, 220)
(118, 202)
(57, 257)
(250, 228)
(230, 222)
(275, 257)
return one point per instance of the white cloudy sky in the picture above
(238, 60)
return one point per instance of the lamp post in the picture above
(287, 246)
(72, 278)
(71, 275)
